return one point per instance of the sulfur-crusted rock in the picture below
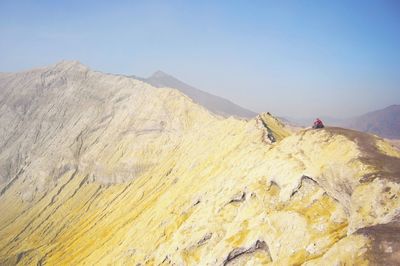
(105, 169)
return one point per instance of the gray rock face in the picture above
(60, 118)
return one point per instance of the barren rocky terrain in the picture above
(105, 169)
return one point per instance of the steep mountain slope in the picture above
(104, 169)
(211, 102)
(384, 122)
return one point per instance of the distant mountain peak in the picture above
(384, 122)
(213, 103)
(159, 74)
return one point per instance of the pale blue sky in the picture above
(293, 58)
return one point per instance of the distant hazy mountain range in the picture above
(213, 103)
(384, 122)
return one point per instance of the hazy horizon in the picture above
(294, 59)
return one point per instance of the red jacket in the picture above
(318, 122)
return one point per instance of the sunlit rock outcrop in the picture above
(104, 169)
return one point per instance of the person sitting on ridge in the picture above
(318, 123)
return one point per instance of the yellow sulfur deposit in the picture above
(114, 171)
